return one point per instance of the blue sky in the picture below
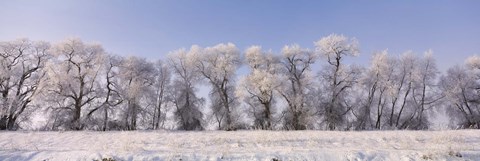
(153, 28)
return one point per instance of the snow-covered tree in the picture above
(21, 71)
(375, 83)
(459, 90)
(188, 105)
(131, 95)
(258, 87)
(82, 87)
(460, 87)
(407, 83)
(425, 94)
(337, 78)
(73, 82)
(137, 79)
(159, 98)
(218, 65)
(400, 92)
(109, 93)
(297, 64)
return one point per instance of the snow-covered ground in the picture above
(241, 145)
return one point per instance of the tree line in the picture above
(75, 85)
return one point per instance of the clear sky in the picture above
(153, 28)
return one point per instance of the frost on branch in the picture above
(257, 88)
(218, 65)
(186, 102)
(336, 46)
(337, 78)
(297, 88)
(73, 82)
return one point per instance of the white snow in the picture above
(241, 145)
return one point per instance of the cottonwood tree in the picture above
(21, 71)
(73, 82)
(159, 98)
(337, 77)
(375, 83)
(460, 88)
(297, 64)
(82, 87)
(109, 92)
(425, 94)
(218, 65)
(258, 87)
(407, 83)
(133, 94)
(187, 103)
(401, 88)
(137, 78)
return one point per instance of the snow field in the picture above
(241, 145)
